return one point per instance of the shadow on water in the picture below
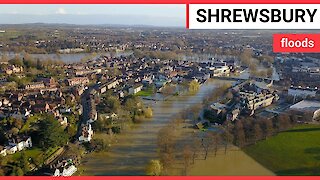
(313, 150)
(304, 130)
(300, 172)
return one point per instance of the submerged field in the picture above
(293, 152)
(234, 163)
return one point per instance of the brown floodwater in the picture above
(137, 146)
(234, 163)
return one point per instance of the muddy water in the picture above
(234, 163)
(136, 147)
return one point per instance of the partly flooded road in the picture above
(138, 146)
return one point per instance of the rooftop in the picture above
(305, 104)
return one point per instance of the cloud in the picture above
(61, 11)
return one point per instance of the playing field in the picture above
(294, 152)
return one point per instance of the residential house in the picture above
(233, 115)
(86, 133)
(113, 84)
(135, 89)
(49, 82)
(218, 108)
(13, 69)
(65, 168)
(220, 71)
(78, 81)
(18, 143)
(3, 151)
(35, 85)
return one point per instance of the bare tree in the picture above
(166, 147)
(216, 140)
(267, 127)
(284, 122)
(206, 143)
(168, 90)
(187, 156)
(239, 134)
(196, 144)
(227, 137)
(194, 111)
(257, 132)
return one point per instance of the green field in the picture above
(147, 92)
(10, 34)
(293, 152)
(30, 153)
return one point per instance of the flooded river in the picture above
(66, 58)
(137, 146)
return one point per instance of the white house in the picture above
(221, 71)
(67, 168)
(86, 134)
(18, 144)
(3, 151)
(69, 171)
(11, 149)
(135, 89)
(21, 115)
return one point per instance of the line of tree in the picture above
(249, 130)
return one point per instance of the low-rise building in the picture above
(36, 85)
(78, 81)
(13, 69)
(305, 106)
(49, 82)
(135, 89)
(3, 151)
(255, 101)
(65, 168)
(220, 71)
(113, 84)
(86, 133)
(302, 92)
(17, 144)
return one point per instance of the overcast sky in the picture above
(158, 15)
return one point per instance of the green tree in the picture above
(194, 86)
(154, 168)
(71, 130)
(17, 171)
(113, 103)
(4, 58)
(51, 133)
(17, 61)
(148, 112)
(28, 61)
(23, 162)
